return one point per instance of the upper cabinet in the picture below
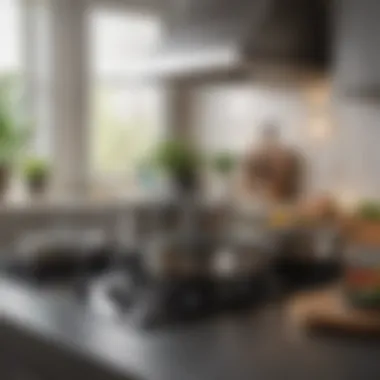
(357, 47)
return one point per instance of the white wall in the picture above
(230, 117)
(340, 139)
(69, 94)
(359, 147)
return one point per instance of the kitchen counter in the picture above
(61, 339)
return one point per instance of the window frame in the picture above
(97, 179)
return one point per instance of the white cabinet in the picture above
(357, 45)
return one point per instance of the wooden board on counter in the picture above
(327, 310)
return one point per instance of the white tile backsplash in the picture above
(347, 159)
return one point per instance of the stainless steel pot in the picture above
(173, 256)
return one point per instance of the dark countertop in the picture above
(261, 344)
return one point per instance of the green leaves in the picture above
(369, 210)
(36, 168)
(177, 157)
(14, 132)
(224, 163)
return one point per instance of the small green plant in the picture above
(36, 169)
(224, 163)
(181, 162)
(369, 210)
(13, 131)
(177, 157)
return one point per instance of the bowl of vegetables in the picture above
(362, 257)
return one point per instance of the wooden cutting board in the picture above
(329, 311)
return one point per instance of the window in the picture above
(11, 68)
(10, 37)
(126, 117)
(24, 57)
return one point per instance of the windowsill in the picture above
(103, 196)
(78, 204)
(22, 205)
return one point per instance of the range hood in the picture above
(219, 37)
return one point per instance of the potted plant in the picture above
(13, 134)
(37, 173)
(181, 162)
